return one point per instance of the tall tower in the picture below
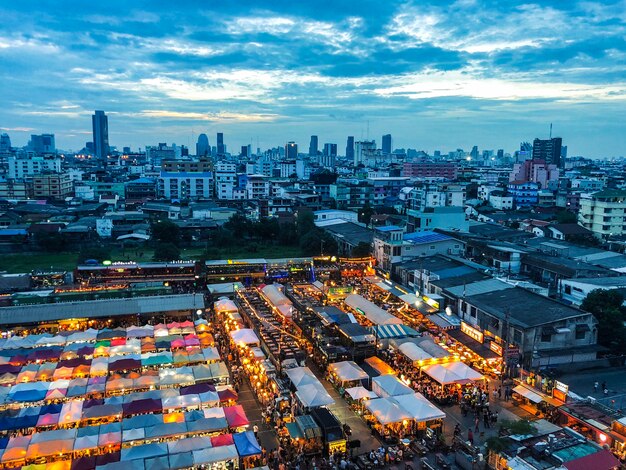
(221, 150)
(350, 148)
(387, 144)
(100, 126)
(291, 151)
(202, 146)
(548, 150)
(313, 146)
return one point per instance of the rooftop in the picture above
(425, 237)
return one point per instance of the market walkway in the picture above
(342, 411)
(247, 399)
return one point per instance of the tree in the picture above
(362, 250)
(166, 231)
(519, 427)
(365, 213)
(166, 252)
(50, 242)
(305, 223)
(565, 217)
(606, 306)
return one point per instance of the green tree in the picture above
(166, 252)
(51, 242)
(519, 427)
(362, 250)
(166, 231)
(606, 306)
(305, 223)
(365, 213)
(565, 217)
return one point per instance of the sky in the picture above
(436, 75)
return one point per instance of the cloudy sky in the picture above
(436, 75)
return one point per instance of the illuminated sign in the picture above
(561, 387)
(433, 303)
(472, 332)
(496, 348)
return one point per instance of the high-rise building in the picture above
(500, 154)
(313, 146)
(350, 148)
(5, 143)
(221, 150)
(291, 151)
(43, 143)
(474, 153)
(330, 150)
(387, 144)
(548, 150)
(203, 149)
(100, 126)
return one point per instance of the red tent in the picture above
(236, 416)
(222, 440)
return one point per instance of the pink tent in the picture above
(222, 440)
(236, 416)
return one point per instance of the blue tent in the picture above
(28, 395)
(246, 444)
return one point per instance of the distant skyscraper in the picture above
(5, 143)
(564, 151)
(350, 148)
(203, 149)
(474, 152)
(43, 143)
(500, 154)
(387, 144)
(330, 150)
(291, 151)
(548, 150)
(100, 126)
(313, 146)
(221, 150)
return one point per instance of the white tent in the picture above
(300, 376)
(413, 352)
(442, 375)
(225, 305)
(275, 296)
(244, 336)
(532, 396)
(348, 371)
(389, 386)
(386, 411)
(373, 312)
(463, 370)
(359, 393)
(313, 396)
(419, 407)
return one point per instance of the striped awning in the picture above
(392, 331)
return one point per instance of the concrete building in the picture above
(430, 218)
(28, 165)
(500, 200)
(525, 194)
(604, 212)
(536, 171)
(575, 290)
(323, 216)
(426, 169)
(52, 185)
(352, 196)
(185, 186)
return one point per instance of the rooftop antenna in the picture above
(550, 131)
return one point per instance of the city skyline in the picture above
(433, 76)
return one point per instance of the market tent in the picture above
(144, 451)
(373, 312)
(219, 370)
(225, 306)
(71, 412)
(442, 375)
(313, 395)
(215, 454)
(141, 422)
(301, 376)
(529, 394)
(47, 448)
(181, 460)
(211, 354)
(227, 393)
(216, 412)
(386, 411)
(463, 370)
(380, 366)
(431, 347)
(389, 386)
(207, 425)
(166, 430)
(222, 440)
(181, 401)
(16, 448)
(147, 405)
(201, 372)
(189, 444)
(413, 352)
(86, 442)
(419, 407)
(134, 434)
(360, 393)
(246, 444)
(245, 336)
(236, 416)
(348, 371)
(392, 331)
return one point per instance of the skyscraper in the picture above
(387, 144)
(330, 150)
(474, 153)
(100, 126)
(291, 151)
(221, 150)
(313, 146)
(43, 143)
(548, 150)
(5, 143)
(350, 148)
(202, 146)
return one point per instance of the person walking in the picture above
(476, 422)
(470, 436)
(596, 385)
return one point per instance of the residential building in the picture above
(16, 189)
(352, 196)
(548, 150)
(426, 169)
(365, 152)
(100, 129)
(500, 200)
(183, 186)
(25, 166)
(537, 171)
(291, 151)
(350, 149)
(430, 218)
(186, 166)
(576, 290)
(313, 145)
(525, 194)
(387, 144)
(52, 185)
(323, 216)
(221, 148)
(225, 180)
(41, 144)
(604, 212)
(348, 235)
(141, 189)
(257, 187)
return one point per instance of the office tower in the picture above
(5, 143)
(43, 143)
(100, 126)
(330, 150)
(564, 152)
(500, 154)
(291, 151)
(548, 150)
(387, 144)
(474, 152)
(202, 146)
(125, 150)
(350, 148)
(221, 150)
(313, 146)
(244, 151)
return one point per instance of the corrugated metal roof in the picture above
(99, 308)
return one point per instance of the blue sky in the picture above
(436, 75)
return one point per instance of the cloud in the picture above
(212, 117)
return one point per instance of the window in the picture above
(546, 337)
(580, 334)
(473, 312)
(517, 336)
